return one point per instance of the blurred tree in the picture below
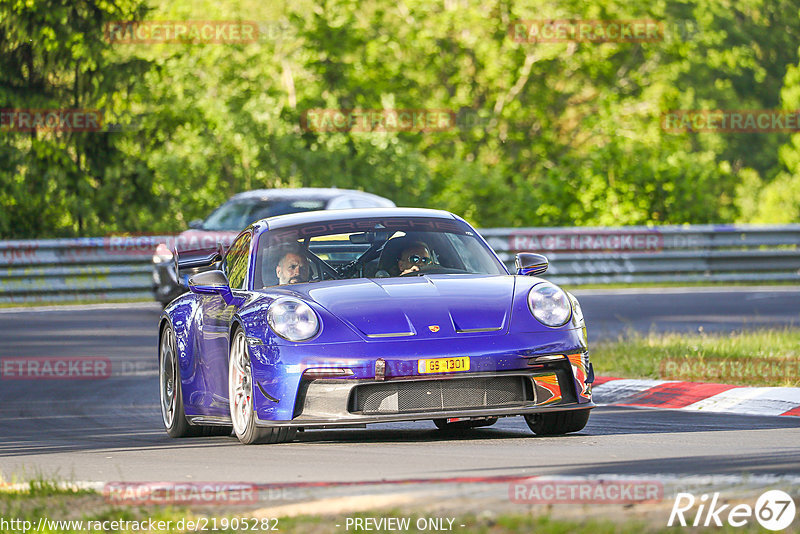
(546, 133)
(53, 56)
(778, 200)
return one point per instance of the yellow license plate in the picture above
(443, 365)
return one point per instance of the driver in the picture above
(414, 258)
(293, 267)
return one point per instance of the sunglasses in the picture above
(414, 260)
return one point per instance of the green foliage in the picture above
(547, 133)
(53, 57)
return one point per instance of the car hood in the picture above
(433, 306)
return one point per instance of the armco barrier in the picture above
(100, 268)
(641, 254)
(121, 266)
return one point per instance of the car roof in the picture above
(306, 217)
(321, 193)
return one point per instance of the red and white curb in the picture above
(699, 396)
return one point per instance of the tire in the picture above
(240, 394)
(172, 413)
(557, 423)
(444, 426)
(169, 381)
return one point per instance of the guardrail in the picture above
(94, 268)
(641, 254)
(121, 266)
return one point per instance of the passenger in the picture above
(414, 258)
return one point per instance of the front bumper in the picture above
(285, 394)
(335, 402)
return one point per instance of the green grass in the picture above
(89, 506)
(43, 497)
(757, 358)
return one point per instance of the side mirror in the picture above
(196, 224)
(213, 283)
(530, 264)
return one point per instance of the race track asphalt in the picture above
(110, 429)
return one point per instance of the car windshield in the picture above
(236, 215)
(371, 248)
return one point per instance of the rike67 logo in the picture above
(774, 510)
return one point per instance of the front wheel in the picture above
(557, 423)
(169, 379)
(240, 393)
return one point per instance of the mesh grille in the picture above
(438, 395)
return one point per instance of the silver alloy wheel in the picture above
(168, 372)
(240, 385)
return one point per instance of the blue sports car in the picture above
(342, 318)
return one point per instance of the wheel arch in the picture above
(186, 355)
(163, 322)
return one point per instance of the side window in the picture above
(237, 260)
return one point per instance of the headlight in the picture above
(292, 319)
(577, 312)
(163, 254)
(549, 304)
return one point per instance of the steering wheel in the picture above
(349, 270)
